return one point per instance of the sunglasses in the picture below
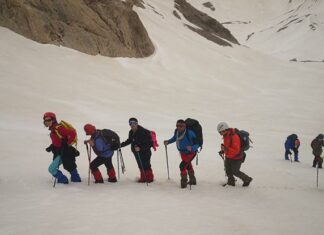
(132, 123)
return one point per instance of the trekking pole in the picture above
(221, 154)
(89, 159)
(122, 164)
(167, 161)
(197, 160)
(118, 164)
(317, 176)
(290, 156)
(55, 179)
(139, 158)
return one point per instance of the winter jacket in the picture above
(232, 145)
(140, 138)
(292, 142)
(101, 148)
(184, 139)
(317, 145)
(67, 135)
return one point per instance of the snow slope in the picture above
(284, 29)
(187, 76)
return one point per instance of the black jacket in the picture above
(141, 138)
(317, 145)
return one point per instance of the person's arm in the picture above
(193, 137)
(173, 138)
(126, 142)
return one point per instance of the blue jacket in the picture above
(292, 142)
(188, 140)
(101, 148)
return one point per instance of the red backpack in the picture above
(154, 140)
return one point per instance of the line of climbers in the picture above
(187, 136)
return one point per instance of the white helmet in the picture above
(222, 126)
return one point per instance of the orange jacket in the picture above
(232, 145)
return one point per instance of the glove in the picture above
(49, 148)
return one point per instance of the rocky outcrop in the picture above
(106, 27)
(207, 26)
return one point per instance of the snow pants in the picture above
(185, 164)
(232, 168)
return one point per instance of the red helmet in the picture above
(89, 129)
(49, 115)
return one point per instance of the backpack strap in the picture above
(57, 132)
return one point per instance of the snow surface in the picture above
(188, 76)
(285, 30)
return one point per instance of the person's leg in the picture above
(110, 170)
(236, 166)
(296, 154)
(229, 172)
(98, 161)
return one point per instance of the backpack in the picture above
(111, 138)
(194, 125)
(244, 139)
(67, 126)
(154, 140)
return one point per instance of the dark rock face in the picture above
(209, 28)
(106, 27)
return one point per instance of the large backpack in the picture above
(111, 138)
(244, 139)
(67, 126)
(194, 125)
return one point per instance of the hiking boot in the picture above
(149, 175)
(112, 180)
(97, 176)
(247, 182)
(61, 179)
(75, 177)
(142, 177)
(184, 181)
(231, 182)
(192, 178)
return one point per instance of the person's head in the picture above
(181, 125)
(49, 118)
(133, 123)
(320, 137)
(89, 129)
(222, 128)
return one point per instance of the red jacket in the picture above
(59, 132)
(232, 145)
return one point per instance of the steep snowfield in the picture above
(284, 29)
(187, 76)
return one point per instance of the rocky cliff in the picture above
(106, 27)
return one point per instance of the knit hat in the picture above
(89, 129)
(222, 126)
(49, 115)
